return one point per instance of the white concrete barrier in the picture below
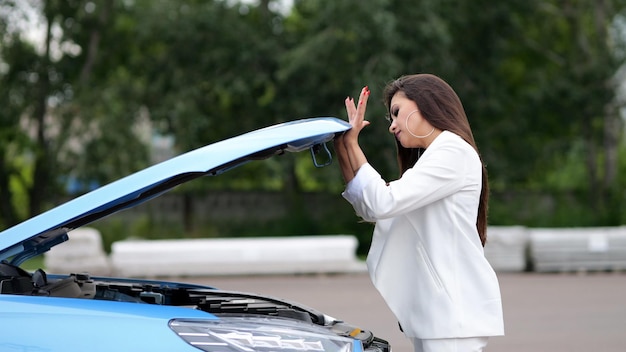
(83, 252)
(578, 249)
(509, 248)
(506, 248)
(236, 256)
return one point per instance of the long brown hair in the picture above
(441, 106)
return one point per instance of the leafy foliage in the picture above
(539, 80)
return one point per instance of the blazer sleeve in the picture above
(440, 172)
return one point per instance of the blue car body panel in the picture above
(71, 324)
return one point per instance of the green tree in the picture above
(556, 93)
(334, 49)
(54, 111)
(14, 99)
(26, 80)
(538, 80)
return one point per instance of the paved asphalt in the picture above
(543, 312)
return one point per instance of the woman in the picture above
(426, 257)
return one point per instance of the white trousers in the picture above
(470, 344)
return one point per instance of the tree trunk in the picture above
(8, 217)
(42, 176)
(94, 42)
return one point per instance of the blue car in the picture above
(42, 311)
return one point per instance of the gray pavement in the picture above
(543, 312)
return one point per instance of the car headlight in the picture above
(260, 334)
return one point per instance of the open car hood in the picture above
(42, 232)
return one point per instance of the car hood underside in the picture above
(40, 233)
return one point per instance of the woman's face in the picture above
(408, 125)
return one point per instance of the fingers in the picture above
(356, 113)
(365, 93)
(350, 107)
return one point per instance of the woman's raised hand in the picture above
(350, 155)
(356, 115)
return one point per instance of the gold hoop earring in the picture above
(406, 125)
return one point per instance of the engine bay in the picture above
(16, 281)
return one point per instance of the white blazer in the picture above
(426, 259)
